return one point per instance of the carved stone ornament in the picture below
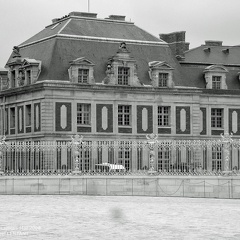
(16, 52)
(21, 78)
(123, 47)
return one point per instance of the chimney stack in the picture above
(116, 17)
(176, 41)
(213, 43)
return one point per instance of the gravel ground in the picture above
(103, 217)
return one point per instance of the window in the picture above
(83, 75)
(13, 79)
(216, 82)
(12, 117)
(217, 118)
(217, 158)
(83, 114)
(124, 114)
(28, 115)
(163, 116)
(123, 76)
(163, 78)
(124, 156)
(163, 158)
(28, 77)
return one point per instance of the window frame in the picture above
(84, 115)
(217, 118)
(164, 158)
(12, 117)
(164, 116)
(28, 115)
(124, 116)
(28, 77)
(13, 78)
(163, 81)
(217, 158)
(83, 78)
(123, 76)
(216, 82)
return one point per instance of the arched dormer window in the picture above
(215, 77)
(161, 74)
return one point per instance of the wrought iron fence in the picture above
(153, 156)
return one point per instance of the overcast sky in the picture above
(201, 19)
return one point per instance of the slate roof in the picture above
(101, 28)
(215, 56)
(196, 61)
(96, 40)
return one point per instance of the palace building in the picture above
(108, 79)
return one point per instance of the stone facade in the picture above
(121, 83)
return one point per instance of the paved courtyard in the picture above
(98, 217)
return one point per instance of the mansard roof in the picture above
(208, 56)
(218, 55)
(75, 26)
(96, 40)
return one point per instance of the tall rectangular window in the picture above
(124, 157)
(123, 75)
(13, 78)
(28, 77)
(12, 117)
(217, 118)
(163, 79)
(124, 115)
(28, 115)
(217, 158)
(83, 114)
(164, 158)
(163, 116)
(83, 75)
(216, 82)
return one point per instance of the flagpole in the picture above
(88, 5)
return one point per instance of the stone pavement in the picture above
(104, 217)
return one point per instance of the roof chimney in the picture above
(83, 14)
(213, 43)
(117, 17)
(176, 41)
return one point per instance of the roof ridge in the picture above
(69, 20)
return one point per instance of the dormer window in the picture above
(81, 71)
(121, 69)
(161, 74)
(215, 77)
(216, 82)
(23, 71)
(163, 79)
(123, 75)
(83, 75)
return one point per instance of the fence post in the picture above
(2, 143)
(152, 142)
(77, 143)
(227, 141)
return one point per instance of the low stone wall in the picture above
(169, 186)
